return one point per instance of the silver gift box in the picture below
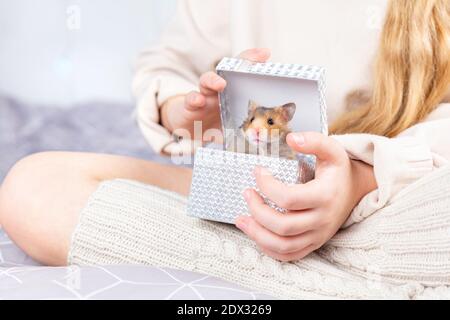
(219, 176)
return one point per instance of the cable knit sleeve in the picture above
(192, 43)
(399, 161)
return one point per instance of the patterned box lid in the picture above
(282, 70)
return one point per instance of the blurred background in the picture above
(65, 74)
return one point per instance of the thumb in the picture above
(323, 147)
(255, 55)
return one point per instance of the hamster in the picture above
(265, 130)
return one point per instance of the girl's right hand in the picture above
(181, 112)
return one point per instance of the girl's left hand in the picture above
(316, 210)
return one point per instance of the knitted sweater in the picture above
(400, 252)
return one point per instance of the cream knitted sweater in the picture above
(341, 35)
(400, 252)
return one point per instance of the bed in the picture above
(91, 127)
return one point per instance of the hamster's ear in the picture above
(288, 111)
(252, 105)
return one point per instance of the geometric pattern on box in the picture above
(220, 177)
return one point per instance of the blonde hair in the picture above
(412, 71)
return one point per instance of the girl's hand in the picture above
(203, 105)
(316, 210)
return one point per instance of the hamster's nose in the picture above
(257, 131)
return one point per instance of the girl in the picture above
(390, 119)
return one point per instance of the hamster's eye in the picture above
(270, 122)
(252, 119)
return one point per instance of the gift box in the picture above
(261, 103)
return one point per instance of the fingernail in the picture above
(262, 50)
(194, 99)
(247, 194)
(299, 139)
(219, 81)
(261, 171)
(242, 223)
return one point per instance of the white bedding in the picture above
(23, 278)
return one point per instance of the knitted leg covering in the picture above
(127, 222)
(407, 241)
